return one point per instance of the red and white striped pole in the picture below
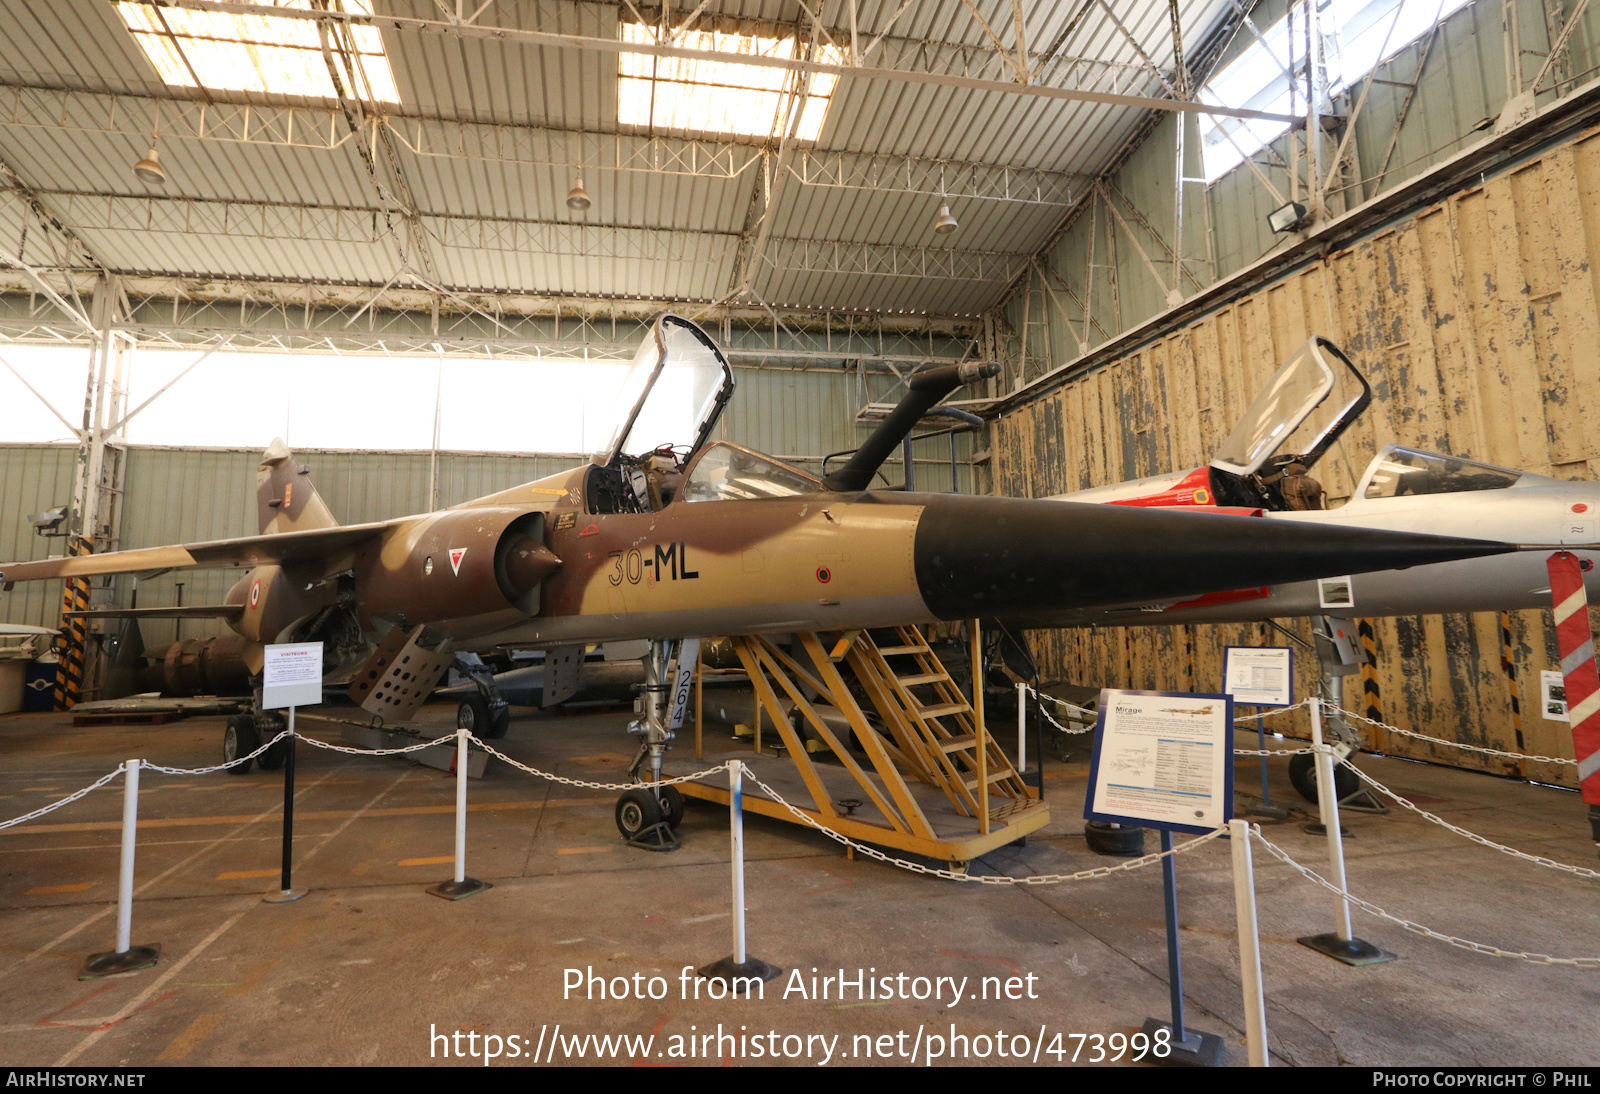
(1579, 675)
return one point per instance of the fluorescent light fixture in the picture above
(261, 53)
(703, 96)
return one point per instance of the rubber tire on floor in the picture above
(637, 810)
(272, 759)
(1104, 838)
(671, 806)
(1303, 776)
(473, 715)
(239, 739)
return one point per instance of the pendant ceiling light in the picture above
(149, 169)
(944, 223)
(578, 198)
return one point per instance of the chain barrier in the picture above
(534, 771)
(68, 800)
(1454, 744)
(951, 875)
(1085, 712)
(1417, 928)
(148, 766)
(1473, 836)
(347, 750)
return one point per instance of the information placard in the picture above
(1162, 760)
(291, 675)
(1261, 676)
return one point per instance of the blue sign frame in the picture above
(1089, 810)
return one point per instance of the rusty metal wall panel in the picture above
(1476, 322)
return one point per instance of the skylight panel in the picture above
(705, 96)
(254, 52)
(1255, 79)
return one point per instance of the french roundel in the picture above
(255, 594)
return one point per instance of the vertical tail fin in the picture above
(285, 499)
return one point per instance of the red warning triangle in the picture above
(456, 554)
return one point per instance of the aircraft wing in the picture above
(187, 611)
(283, 548)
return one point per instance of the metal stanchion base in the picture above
(111, 963)
(737, 974)
(1364, 801)
(459, 890)
(1351, 951)
(658, 837)
(1317, 828)
(283, 896)
(1268, 812)
(1196, 1050)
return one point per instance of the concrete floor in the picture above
(367, 965)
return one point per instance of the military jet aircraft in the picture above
(1296, 420)
(668, 542)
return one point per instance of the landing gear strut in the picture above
(647, 815)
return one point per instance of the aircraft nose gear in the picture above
(647, 814)
(485, 714)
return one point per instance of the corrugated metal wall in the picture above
(1476, 322)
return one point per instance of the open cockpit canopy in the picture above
(673, 393)
(1296, 406)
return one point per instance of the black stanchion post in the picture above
(286, 892)
(1190, 1048)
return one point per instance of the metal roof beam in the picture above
(325, 129)
(319, 224)
(922, 61)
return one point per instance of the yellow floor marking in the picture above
(236, 875)
(50, 890)
(314, 814)
(581, 850)
(360, 869)
(253, 976)
(184, 1043)
(437, 860)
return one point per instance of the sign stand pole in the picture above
(287, 892)
(1341, 944)
(1266, 808)
(1190, 1048)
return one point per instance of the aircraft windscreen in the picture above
(672, 392)
(1407, 472)
(1288, 399)
(726, 472)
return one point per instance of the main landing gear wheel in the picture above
(473, 716)
(272, 759)
(637, 812)
(239, 739)
(671, 806)
(1122, 840)
(1303, 775)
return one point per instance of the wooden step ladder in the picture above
(934, 725)
(929, 733)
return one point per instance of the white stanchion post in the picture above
(1328, 807)
(1342, 944)
(1022, 728)
(130, 827)
(462, 886)
(126, 957)
(736, 835)
(1244, 902)
(739, 971)
(461, 806)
